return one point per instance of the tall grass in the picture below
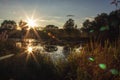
(94, 62)
(8, 47)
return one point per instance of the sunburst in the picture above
(29, 49)
(31, 23)
(30, 53)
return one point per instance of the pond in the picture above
(56, 52)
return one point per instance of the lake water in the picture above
(60, 52)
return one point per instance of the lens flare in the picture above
(114, 71)
(103, 66)
(91, 59)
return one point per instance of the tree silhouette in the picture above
(76, 26)
(96, 25)
(86, 26)
(8, 24)
(51, 27)
(69, 24)
(104, 25)
(114, 23)
(115, 2)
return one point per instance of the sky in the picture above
(53, 11)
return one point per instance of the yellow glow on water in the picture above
(30, 53)
(29, 49)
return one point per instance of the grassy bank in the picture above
(8, 47)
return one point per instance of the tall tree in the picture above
(101, 20)
(104, 26)
(69, 24)
(114, 22)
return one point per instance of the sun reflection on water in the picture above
(29, 49)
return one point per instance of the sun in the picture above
(31, 23)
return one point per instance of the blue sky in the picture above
(53, 11)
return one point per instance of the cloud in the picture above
(14, 12)
(51, 17)
(81, 24)
(50, 21)
(45, 20)
(89, 18)
(57, 17)
(70, 15)
(1, 19)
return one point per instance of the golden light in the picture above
(29, 49)
(31, 23)
(30, 53)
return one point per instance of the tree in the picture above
(114, 22)
(97, 24)
(8, 24)
(86, 26)
(51, 27)
(76, 26)
(22, 25)
(104, 26)
(101, 20)
(97, 27)
(69, 24)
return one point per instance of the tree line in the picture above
(104, 26)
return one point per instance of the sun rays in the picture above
(31, 23)
(29, 49)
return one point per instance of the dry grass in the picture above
(94, 62)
